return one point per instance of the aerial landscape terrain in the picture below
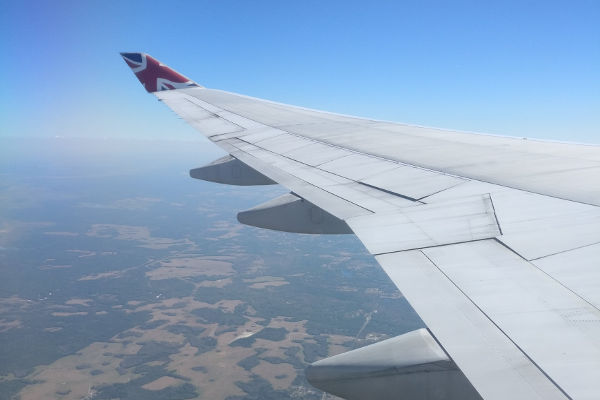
(123, 278)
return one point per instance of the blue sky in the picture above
(522, 68)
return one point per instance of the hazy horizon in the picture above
(524, 69)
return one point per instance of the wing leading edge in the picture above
(478, 232)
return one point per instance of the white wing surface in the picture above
(494, 241)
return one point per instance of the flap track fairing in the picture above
(290, 213)
(231, 171)
(409, 366)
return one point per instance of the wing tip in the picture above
(154, 75)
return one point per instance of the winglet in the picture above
(155, 76)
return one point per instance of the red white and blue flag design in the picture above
(154, 75)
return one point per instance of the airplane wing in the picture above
(494, 241)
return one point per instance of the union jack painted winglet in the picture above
(154, 75)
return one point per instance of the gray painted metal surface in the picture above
(231, 171)
(530, 165)
(290, 213)
(461, 220)
(517, 313)
(578, 270)
(409, 366)
(533, 225)
(491, 361)
(545, 318)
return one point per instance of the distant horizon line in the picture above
(202, 139)
(198, 139)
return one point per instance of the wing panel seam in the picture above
(547, 274)
(337, 146)
(496, 325)
(430, 247)
(297, 177)
(336, 174)
(441, 172)
(565, 251)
